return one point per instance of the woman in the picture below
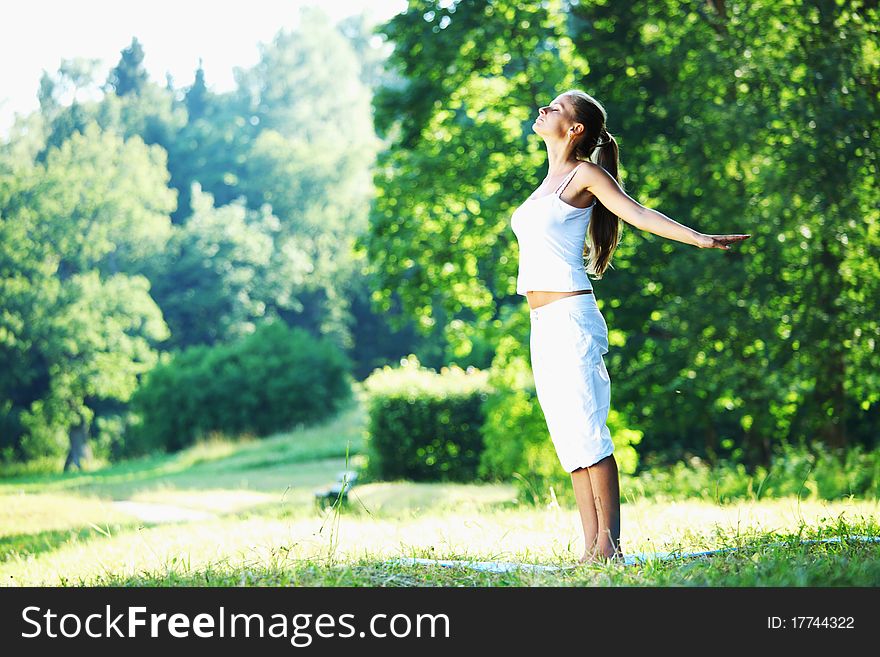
(569, 336)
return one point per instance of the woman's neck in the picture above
(559, 159)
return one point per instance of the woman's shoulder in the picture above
(587, 168)
(587, 174)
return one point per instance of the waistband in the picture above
(565, 305)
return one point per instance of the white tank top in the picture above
(551, 235)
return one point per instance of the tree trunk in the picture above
(79, 447)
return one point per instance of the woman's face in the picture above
(554, 119)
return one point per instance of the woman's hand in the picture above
(720, 241)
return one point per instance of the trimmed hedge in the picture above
(424, 425)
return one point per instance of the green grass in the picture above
(264, 529)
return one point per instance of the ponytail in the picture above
(604, 225)
(600, 147)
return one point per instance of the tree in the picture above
(64, 117)
(196, 97)
(78, 325)
(731, 118)
(212, 282)
(459, 157)
(129, 76)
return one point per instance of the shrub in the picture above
(269, 381)
(424, 425)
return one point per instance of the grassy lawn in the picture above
(253, 521)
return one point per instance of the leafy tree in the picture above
(196, 97)
(150, 113)
(211, 281)
(63, 119)
(287, 184)
(459, 159)
(720, 108)
(75, 329)
(370, 49)
(757, 118)
(129, 76)
(97, 342)
(311, 160)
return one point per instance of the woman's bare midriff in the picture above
(538, 298)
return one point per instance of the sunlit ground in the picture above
(227, 515)
(51, 540)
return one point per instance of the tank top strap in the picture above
(567, 180)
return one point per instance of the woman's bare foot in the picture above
(600, 558)
(590, 558)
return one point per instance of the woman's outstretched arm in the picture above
(605, 188)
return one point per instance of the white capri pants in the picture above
(568, 339)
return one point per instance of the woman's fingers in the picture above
(722, 241)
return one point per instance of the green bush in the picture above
(269, 381)
(517, 443)
(424, 425)
(108, 436)
(42, 437)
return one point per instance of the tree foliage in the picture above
(74, 328)
(151, 208)
(733, 117)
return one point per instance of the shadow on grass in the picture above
(35, 544)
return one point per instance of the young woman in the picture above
(569, 336)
